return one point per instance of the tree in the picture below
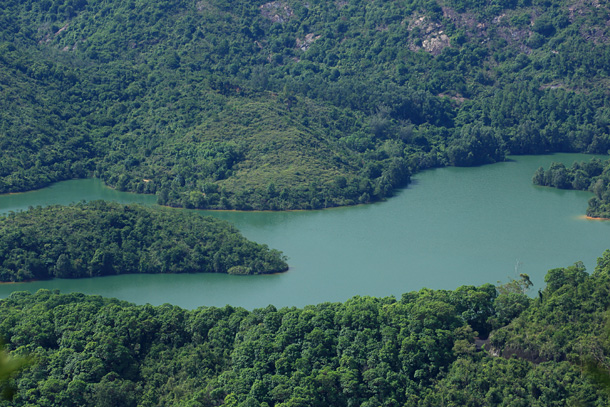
(511, 301)
(9, 366)
(538, 178)
(63, 267)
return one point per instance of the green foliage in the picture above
(208, 103)
(417, 351)
(566, 321)
(514, 382)
(593, 176)
(366, 350)
(101, 238)
(511, 301)
(9, 366)
(596, 362)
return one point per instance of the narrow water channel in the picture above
(450, 227)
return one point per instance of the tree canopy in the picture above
(418, 350)
(102, 238)
(593, 176)
(283, 105)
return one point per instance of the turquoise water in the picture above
(450, 227)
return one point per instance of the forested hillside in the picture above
(101, 238)
(285, 104)
(416, 351)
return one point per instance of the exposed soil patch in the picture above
(306, 42)
(599, 31)
(277, 11)
(432, 36)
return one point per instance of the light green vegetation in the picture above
(281, 105)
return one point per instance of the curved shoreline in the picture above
(124, 274)
(19, 282)
(591, 217)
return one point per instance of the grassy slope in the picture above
(278, 106)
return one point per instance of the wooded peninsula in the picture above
(103, 238)
(593, 176)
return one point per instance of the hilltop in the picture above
(284, 104)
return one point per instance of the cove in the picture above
(450, 227)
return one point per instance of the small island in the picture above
(102, 238)
(593, 176)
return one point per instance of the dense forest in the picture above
(418, 350)
(593, 176)
(101, 238)
(280, 105)
(284, 104)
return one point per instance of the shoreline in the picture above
(587, 217)
(124, 274)
(19, 282)
(104, 185)
(595, 218)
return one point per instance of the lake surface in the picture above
(450, 227)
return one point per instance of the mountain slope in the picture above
(281, 105)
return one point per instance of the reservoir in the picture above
(449, 227)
